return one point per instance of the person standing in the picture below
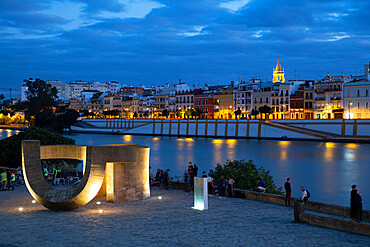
(166, 178)
(288, 192)
(204, 174)
(191, 177)
(356, 204)
(12, 181)
(222, 188)
(231, 182)
(4, 178)
(195, 170)
(19, 171)
(46, 173)
(210, 185)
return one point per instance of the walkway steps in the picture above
(300, 130)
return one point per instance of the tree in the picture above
(165, 113)
(44, 118)
(237, 113)
(265, 110)
(111, 113)
(40, 96)
(11, 147)
(245, 174)
(65, 120)
(178, 114)
(146, 114)
(255, 113)
(135, 115)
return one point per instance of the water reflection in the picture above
(327, 169)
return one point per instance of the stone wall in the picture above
(334, 223)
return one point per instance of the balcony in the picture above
(319, 99)
(336, 98)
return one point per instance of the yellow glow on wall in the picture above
(351, 145)
(217, 141)
(127, 138)
(110, 181)
(330, 145)
(284, 143)
(231, 141)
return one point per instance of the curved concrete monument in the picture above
(120, 172)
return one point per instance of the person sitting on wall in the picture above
(305, 194)
(261, 186)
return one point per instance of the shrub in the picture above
(11, 147)
(245, 174)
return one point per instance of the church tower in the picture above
(278, 74)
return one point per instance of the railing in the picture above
(335, 98)
(320, 99)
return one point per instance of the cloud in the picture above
(151, 41)
(234, 5)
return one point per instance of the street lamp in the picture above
(283, 111)
(326, 110)
(350, 103)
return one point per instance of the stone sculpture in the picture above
(120, 172)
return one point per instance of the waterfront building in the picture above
(128, 90)
(136, 104)
(224, 107)
(126, 106)
(261, 98)
(73, 90)
(96, 103)
(76, 105)
(184, 101)
(112, 102)
(275, 104)
(357, 99)
(278, 74)
(309, 100)
(149, 105)
(297, 104)
(206, 103)
(329, 98)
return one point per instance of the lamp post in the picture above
(326, 110)
(350, 103)
(283, 111)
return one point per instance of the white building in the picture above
(73, 90)
(356, 99)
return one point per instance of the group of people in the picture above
(8, 179)
(161, 178)
(54, 177)
(288, 193)
(356, 199)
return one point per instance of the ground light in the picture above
(20, 209)
(159, 197)
(100, 211)
(33, 201)
(98, 203)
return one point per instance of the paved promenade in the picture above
(166, 222)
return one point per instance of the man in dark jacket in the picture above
(356, 204)
(288, 192)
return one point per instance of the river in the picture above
(327, 170)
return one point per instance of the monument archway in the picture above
(120, 172)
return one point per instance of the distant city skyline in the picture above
(204, 41)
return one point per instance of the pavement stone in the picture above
(166, 222)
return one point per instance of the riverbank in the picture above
(347, 131)
(162, 222)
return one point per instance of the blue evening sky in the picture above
(154, 42)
